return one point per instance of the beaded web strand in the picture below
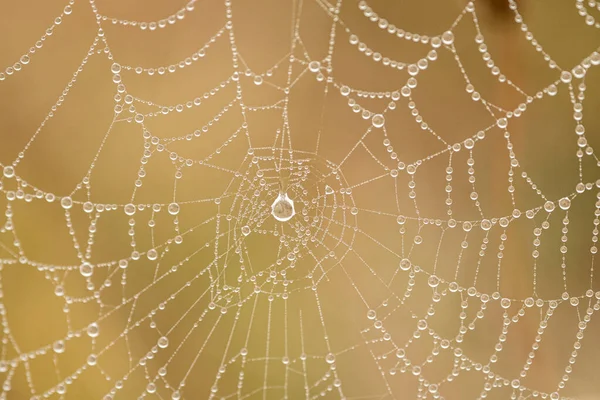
(300, 199)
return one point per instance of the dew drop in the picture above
(433, 281)
(282, 208)
(86, 269)
(66, 202)
(9, 171)
(92, 360)
(93, 330)
(564, 203)
(173, 208)
(505, 303)
(163, 342)
(151, 387)
(448, 37)
(129, 209)
(245, 230)
(152, 254)
(115, 68)
(529, 302)
(486, 224)
(88, 207)
(405, 264)
(59, 346)
(378, 120)
(371, 314)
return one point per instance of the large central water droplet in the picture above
(283, 208)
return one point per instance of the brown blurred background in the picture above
(275, 343)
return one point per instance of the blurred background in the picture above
(144, 142)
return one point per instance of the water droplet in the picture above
(86, 269)
(378, 120)
(92, 360)
(328, 189)
(245, 230)
(66, 202)
(549, 206)
(173, 208)
(448, 37)
(9, 171)
(59, 346)
(129, 209)
(283, 208)
(574, 301)
(258, 80)
(93, 330)
(151, 387)
(433, 281)
(314, 66)
(564, 203)
(88, 207)
(486, 224)
(529, 302)
(467, 226)
(330, 358)
(163, 342)
(405, 264)
(152, 254)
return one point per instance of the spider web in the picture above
(325, 214)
